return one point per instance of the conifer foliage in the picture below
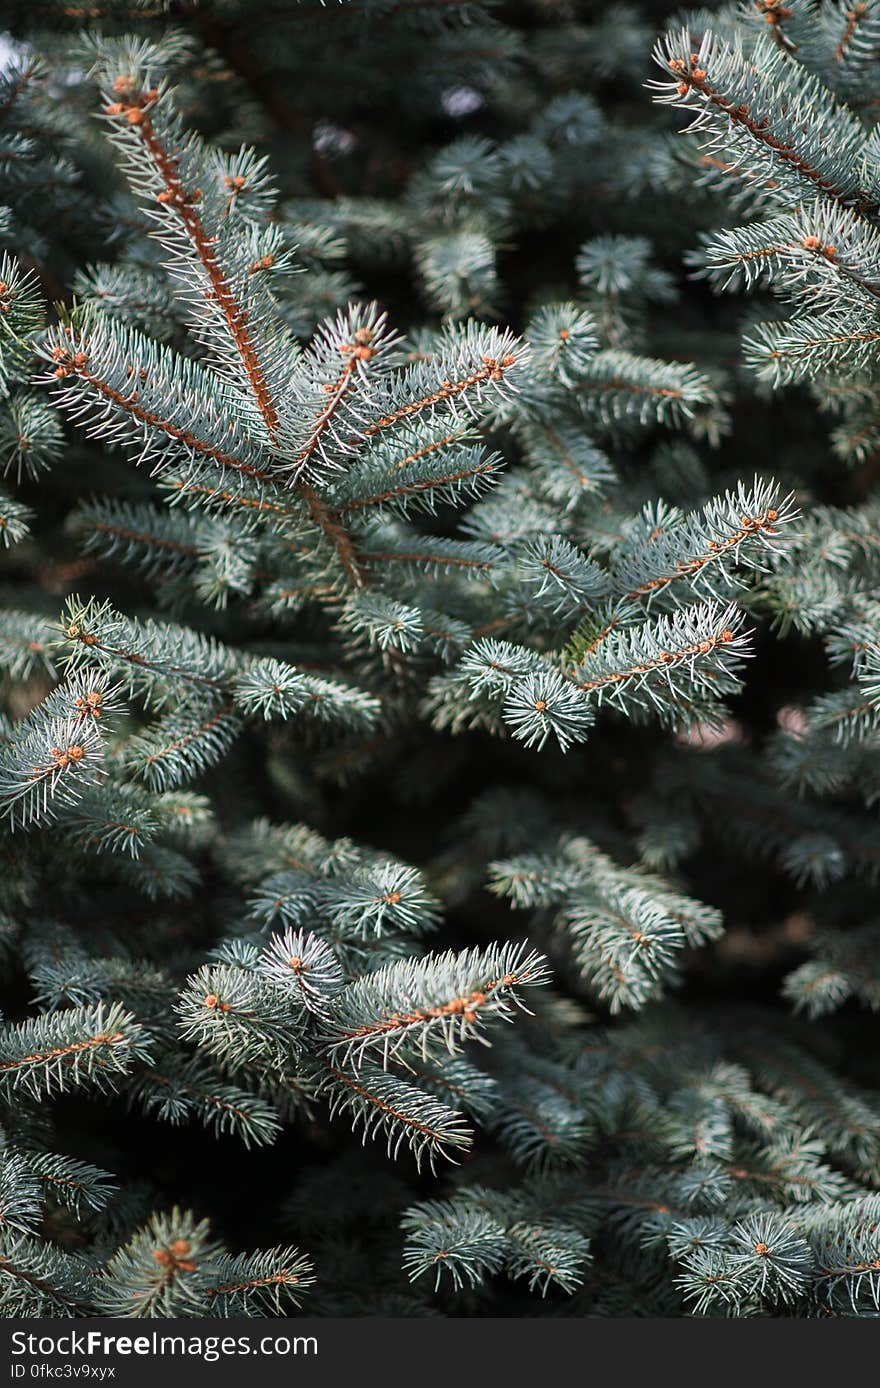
(437, 758)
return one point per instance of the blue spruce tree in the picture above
(439, 660)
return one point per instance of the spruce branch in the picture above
(162, 164)
(57, 753)
(625, 927)
(480, 1232)
(805, 348)
(78, 1186)
(429, 1007)
(176, 1091)
(619, 385)
(145, 396)
(193, 736)
(31, 437)
(820, 255)
(260, 1284)
(37, 1279)
(774, 118)
(21, 317)
(168, 1268)
(702, 551)
(640, 668)
(15, 518)
(21, 1196)
(85, 1045)
(384, 1105)
(242, 1018)
(305, 966)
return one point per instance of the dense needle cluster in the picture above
(438, 758)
